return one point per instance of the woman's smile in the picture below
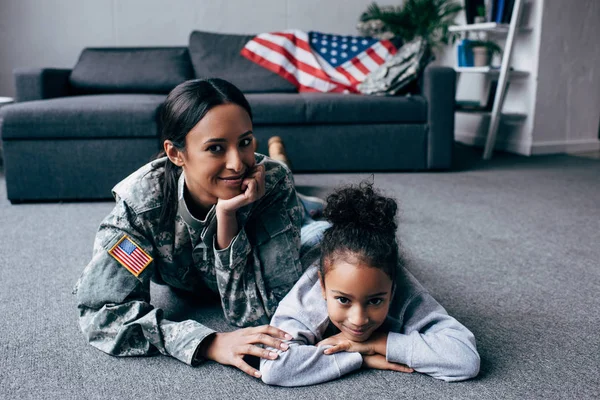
(233, 180)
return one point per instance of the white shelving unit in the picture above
(502, 74)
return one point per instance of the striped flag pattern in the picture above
(129, 254)
(317, 62)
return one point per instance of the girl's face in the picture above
(358, 298)
(218, 154)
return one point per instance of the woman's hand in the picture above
(376, 344)
(253, 188)
(229, 348)
(378, 361)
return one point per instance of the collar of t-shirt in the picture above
(196, 227)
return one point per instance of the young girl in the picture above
(361, 308)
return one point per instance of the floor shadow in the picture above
(468, 158)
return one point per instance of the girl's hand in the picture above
(229, 348)
(378, 361)
(253, 188)
(339, 343)
(376, 344)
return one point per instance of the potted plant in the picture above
(427, 19)
(483, 51)
(480, 17)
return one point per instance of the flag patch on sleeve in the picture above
(130, 255)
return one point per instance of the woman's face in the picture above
(358, 298)
(218, 154)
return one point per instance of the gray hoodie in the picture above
(421, 335)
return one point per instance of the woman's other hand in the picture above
(229, 348)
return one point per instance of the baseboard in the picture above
(511, 146)
(536, 148)
(565, 146)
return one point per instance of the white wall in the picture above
(567, 113)
(561, 96)
(52, 33)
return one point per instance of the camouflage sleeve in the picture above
(114, 305)
(251, 280)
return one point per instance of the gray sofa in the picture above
(74, 133)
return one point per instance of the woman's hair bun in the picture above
(361, 207)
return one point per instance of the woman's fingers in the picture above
(251, 191)
(260, 180)
(243, 365)
(271, 331)
(253, 350)
(270, 340)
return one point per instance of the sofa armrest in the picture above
(439, 88)
(41, 83)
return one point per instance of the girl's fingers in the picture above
(325, 342)
(402, 368)
(337, 348)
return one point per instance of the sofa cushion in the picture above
(353, 108)
(277, 108)
(131, 70)
(332, 108)
(217, 55)
(84, 117)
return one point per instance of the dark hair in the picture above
(363, 226)
(183, 108)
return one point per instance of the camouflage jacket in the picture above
(257, 269)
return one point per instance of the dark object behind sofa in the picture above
(73, 134)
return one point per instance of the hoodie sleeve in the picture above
(433, 343)
(303, 314)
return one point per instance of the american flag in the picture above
(130, 255)
(318, 62)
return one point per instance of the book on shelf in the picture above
(489, 8)
(500, 11)
(472, 8)
(508, 9)
(477, 105)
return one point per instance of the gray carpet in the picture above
(509, 247)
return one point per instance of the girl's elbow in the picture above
(268, 373)
(472, 369)
(466, 368)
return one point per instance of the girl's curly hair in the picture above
(363, 227)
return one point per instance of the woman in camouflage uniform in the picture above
(210, 216)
